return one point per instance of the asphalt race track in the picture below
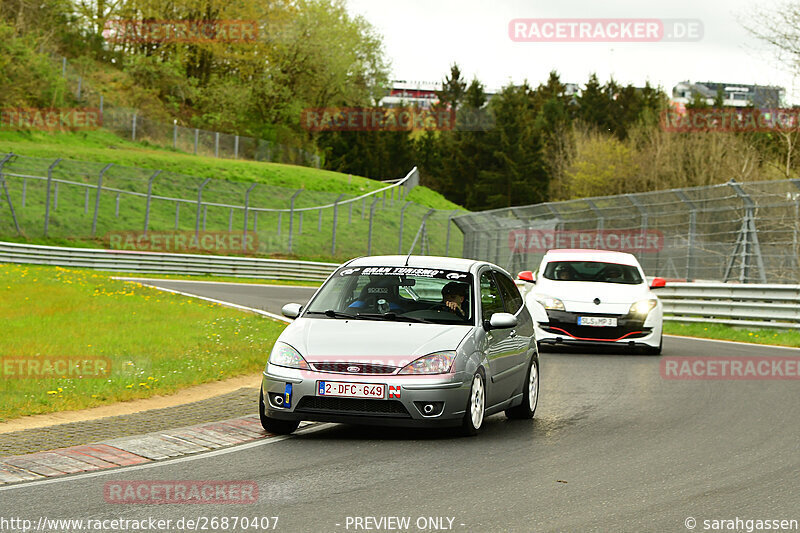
(614, 447)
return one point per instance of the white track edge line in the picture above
(221, 302)
(129, 278)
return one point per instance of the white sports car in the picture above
(594, 297)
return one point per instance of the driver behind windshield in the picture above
(453, 296)
(563, 273)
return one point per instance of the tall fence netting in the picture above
(746, 232)
(89, 201)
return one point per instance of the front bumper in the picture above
(562, 328)
(447, 393)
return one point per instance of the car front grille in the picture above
(588, 332)
(565, 323)
(355, 406)
(363, 368)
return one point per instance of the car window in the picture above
(592, 271)
(491, 301)
(395, 293)
(512, 299)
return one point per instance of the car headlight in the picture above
(642, 307)
(552, 303)
(435, 363)
(284, 355)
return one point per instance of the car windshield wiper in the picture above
(331, 313)
(393, 316)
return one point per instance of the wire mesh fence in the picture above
(139, 209)
(131, 124)
(746, 232)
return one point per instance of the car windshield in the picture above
(592, 271)
(407, 294)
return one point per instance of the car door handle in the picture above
(513, 333)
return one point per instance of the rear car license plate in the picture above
(597, 321)
(351, 390)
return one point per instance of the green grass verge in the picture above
(104, 147)
(157, 343)
(777, 337)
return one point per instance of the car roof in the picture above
(581, 254)
(420, 261)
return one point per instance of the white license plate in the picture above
(351, 390)
(597, 321)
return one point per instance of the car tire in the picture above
(530, 395)
(271, 425)
(476, 406)
(655, 350)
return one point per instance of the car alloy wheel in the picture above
(533, 387)
(476, 406)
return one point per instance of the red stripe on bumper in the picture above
(597, 340)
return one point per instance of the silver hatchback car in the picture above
(404, 341)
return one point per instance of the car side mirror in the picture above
(500, 321)
(291, 310)
(526, 275)
(658, 283)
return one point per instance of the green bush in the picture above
(28, 77)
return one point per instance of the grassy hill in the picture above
(86, 153)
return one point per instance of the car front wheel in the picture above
(476, 406)
(271, 425)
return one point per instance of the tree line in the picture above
(543, 143)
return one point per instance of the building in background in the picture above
(733, 94)
(412, 93)
(421, 94)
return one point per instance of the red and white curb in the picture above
(127, 451)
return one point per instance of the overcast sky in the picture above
(423, 37)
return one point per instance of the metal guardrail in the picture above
(163, 263)
(748, 304)
(759, 305)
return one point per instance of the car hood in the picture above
(370, 341)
